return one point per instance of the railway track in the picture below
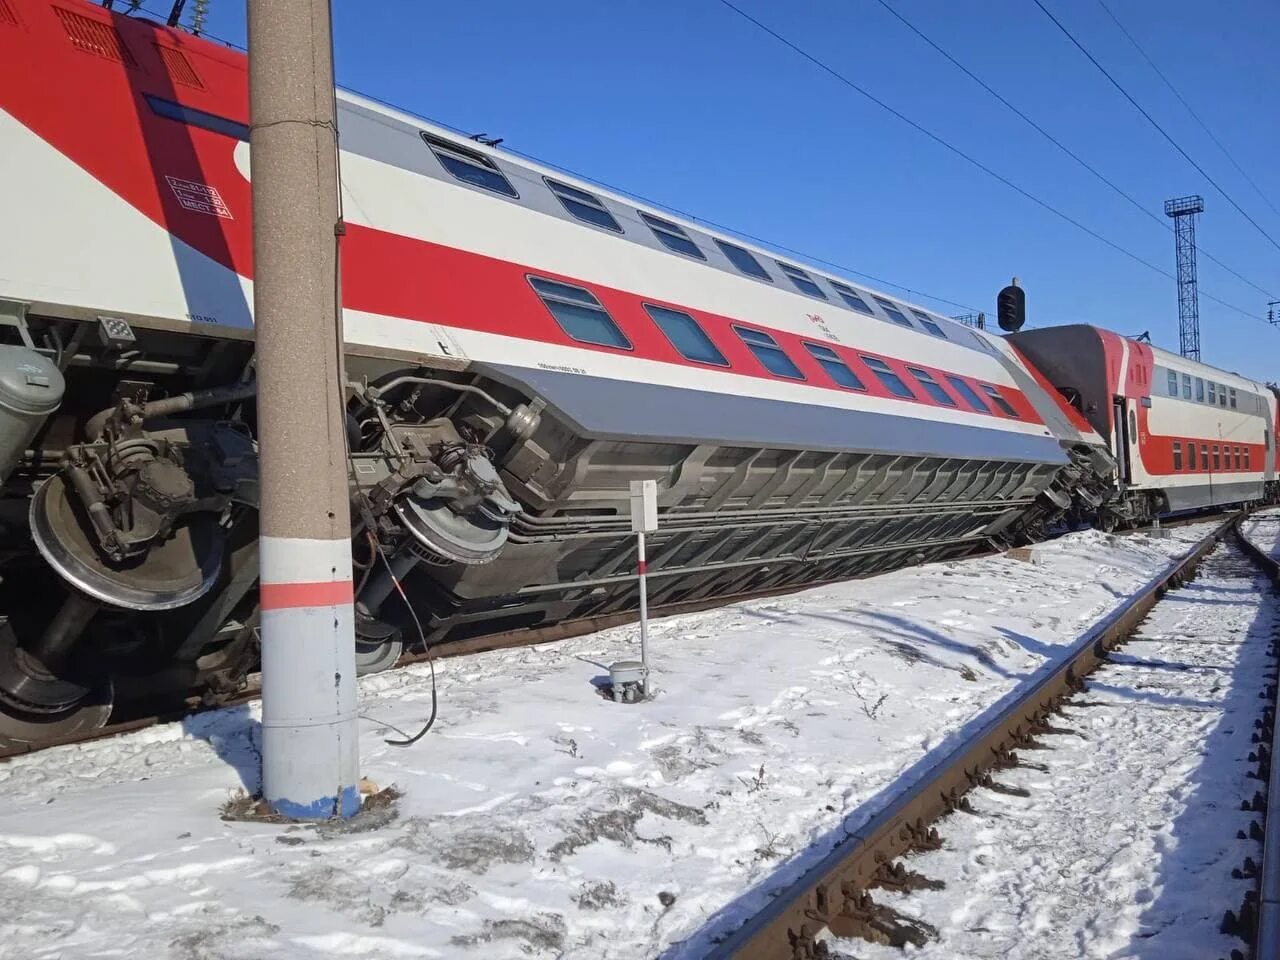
(140, 719)
(835, 895)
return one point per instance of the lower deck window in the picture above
(579, 314)
(686, 336)
(771, 356)
(836, 368)
(1237, 458)
(998, 399)
(1246, 458)
(884, 373)
(931, 386)
(1191, 456)
(1204, 455)
(1177, 455)
(1217, 459)
(966, 391)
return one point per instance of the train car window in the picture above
(1217, 459)
(851, 297)
(803, 282)
(1237, 458)
(836, 368)
(197, 118)
(469, 166)
(582, 205)
(1246, 458)
(771, 356)
(1001, 403)
(1173, 383)
(1204, 455)
(1200, 389)
(975, 401)
(1232, 394)
(579, 314)
(884, 373)
(685, 335)
(744, 260)
(1222, 396)
(672, 236)
(1186, 386)
(1213, 392)
(1177, 455)
(1191, 455)
(891, 308)
(931, 386)
(926, 321)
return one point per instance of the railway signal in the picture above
(1011, 307)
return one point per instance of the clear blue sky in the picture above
(684, 102)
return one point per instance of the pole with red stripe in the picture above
(310, 761)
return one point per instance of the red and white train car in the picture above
(1185, 435)
(522, 344)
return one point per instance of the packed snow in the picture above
(1125, 843)
(537, 818)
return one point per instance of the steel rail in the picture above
(833, 893)
(1266, 943)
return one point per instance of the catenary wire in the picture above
(1150, 119)
(1162, 222)
(1195, 116)
(973, 160)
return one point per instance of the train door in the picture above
(1122, 439)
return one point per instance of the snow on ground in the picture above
(539, 819)
(1263, 531)
(1124, 846)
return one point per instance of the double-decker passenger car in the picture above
(1185, 435)
(520, 344)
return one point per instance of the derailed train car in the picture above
(520, 344)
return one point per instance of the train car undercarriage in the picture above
(138, 488)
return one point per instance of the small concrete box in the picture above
(644, 506)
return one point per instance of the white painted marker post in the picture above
(644, 519)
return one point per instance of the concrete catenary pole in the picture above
(310, 765)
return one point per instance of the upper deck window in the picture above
(891, 380)
(894, 314)
(803, 282)
(998, 399)
(931, 386)
(1173, 383)
(851, 297)
(580, 314)
(685, 335)
(744, 260)
(1200, 389)
(469, 166)
(836, 368)
(1213, 392)
(928, 323)
(582, 205)
(771, 356)
(1186, 386)
(966, 391)
(197, 118)
(672, 236)
(1232, 394)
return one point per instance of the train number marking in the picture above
(821, 324)
(199, 197)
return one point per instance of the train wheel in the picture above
(36, 706)
(378, 645)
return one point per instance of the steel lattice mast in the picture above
(1183, 210)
